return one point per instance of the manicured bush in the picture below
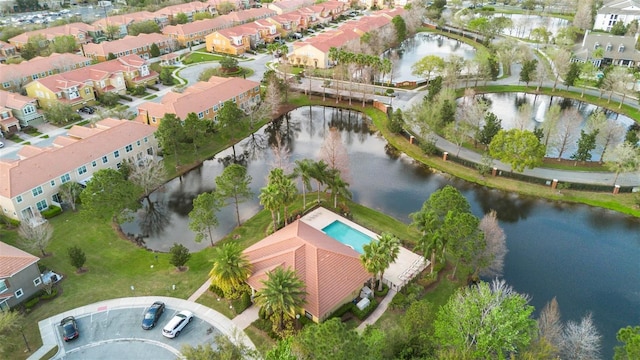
(54, 293)
(266, 326)
(152, 87)
(7, 220)
(362, 314)
(51, 211)
(125, 97)
(242, 303)
(31, 303)
(216, 290)
(399, 301)
(341, 310)
(385, 290)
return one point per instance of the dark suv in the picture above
(86, 110)
(69, 328)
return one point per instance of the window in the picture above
(37, 191)
(65, 178)
(138, 142)
(146, 139)
(128, 148)
(53, 183)
(42, 205)
(200, 115)
(19, 293)
(119, 165)
(87, 91)
(19, 199)
(3, 286)
(37, 281)
(105, 160)
(82, 170)
(6, 85)
(116, 154)
(206, 111)
(94, 163)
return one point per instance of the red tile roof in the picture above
(67, 29)
(13, 260)
(330, 270)
(14, 100)
(40, 65)
(124, 19)
(82, 145)
(214, 24)
(194, 6)
(198, 97)
(124, 44)
(241, 17)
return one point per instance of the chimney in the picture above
(584, 40)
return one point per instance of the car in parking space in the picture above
(296, 36)
(1, 144)
(177, 324)
(151, 316)
(87, 110)
(311, 31)
(69, 328)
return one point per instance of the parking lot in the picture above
(111, 334)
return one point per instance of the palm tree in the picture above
(230, 268)
(269, 199)
(337, 185)
(319, 174)
(389, 250)
(370, 259)
(282, 295)
(303, 170)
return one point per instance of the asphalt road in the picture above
(117, 334)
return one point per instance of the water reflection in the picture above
(523, 24)
(421, 45)
(506, 105)
(586, 257)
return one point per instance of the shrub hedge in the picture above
(362, 314)
(51, 211)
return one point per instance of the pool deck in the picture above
(407, 265)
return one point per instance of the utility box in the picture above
(366, 293)
(362, 304)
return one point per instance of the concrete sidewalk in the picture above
(377, 313)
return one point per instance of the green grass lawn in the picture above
(198, 57)
(261, 340)
(151, 97)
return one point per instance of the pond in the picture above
(586, 257)
(523, 24)
(506, 105)
(421, 45)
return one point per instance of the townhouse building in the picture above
(17, 111)
(83, 33)
(189, 9)
(314, 51)
(139, 45)
(59, 88)
(113, 76)
(14, 77)
(616, 50)
(32, 183)
(195, 33)
(248, 15)
(233, 41)
(204, 98)
(287, 24)
(614, 11)
(19, 276)
(7, 51)
(125, 20)
(286, 6)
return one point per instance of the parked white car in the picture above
(177, 323)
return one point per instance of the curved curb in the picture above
(49, 327)
(171, 349)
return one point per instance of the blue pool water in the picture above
(347, 235)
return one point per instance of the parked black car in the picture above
(86, 110)
(152, 315)
(69, 328)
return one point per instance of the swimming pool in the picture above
(347, 235)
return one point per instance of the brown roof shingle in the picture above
(330, 270)
(12, 260)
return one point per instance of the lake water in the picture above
(523, 24)
(505, 106)
(586, 257)
(421, 45)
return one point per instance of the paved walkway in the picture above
(49, 327)
(375, 315)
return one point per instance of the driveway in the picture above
(111, 329)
